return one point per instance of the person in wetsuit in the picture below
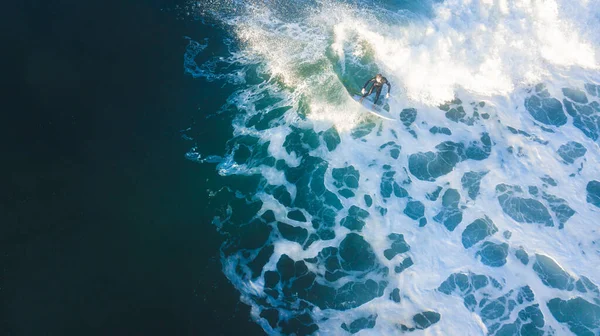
(378, 82)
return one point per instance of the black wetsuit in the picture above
(377, 86)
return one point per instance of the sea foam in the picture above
(476, 212)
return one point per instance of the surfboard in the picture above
(374, 109)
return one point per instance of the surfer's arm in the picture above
(369, 81)
(363, 91)
(387, 95)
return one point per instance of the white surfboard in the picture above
(374, 109)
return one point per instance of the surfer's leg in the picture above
(377, 95)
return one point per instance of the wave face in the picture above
(476, 212)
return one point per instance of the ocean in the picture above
(475, 212)
(200, 168)
(105, 227)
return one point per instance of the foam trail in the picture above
(475, 213)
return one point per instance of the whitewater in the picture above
(477, 212)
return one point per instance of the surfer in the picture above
(378, 82)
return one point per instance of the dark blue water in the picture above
(104, 230)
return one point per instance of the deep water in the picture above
(105, 229)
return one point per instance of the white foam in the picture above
(491, 51)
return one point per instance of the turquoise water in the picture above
(475, 212)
